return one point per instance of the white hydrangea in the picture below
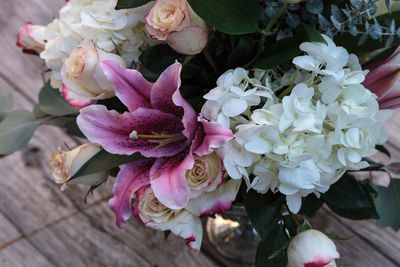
(235, 93)
(112, 31)
(302, 144)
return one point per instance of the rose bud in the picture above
(383, 80)
(312, 248)
(175, 22)
(82, 76)
(31, 38)
(65, 164)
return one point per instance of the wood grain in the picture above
(41, 226)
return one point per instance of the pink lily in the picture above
(134, 195)
(160, 124)
(383, 80)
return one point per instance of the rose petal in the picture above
(191, 40)
(217, 201)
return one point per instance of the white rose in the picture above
(312, 248)
(65, 164)
(82, 76)
(206, 174)
(31, 38)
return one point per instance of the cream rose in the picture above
(31, 38)
(206, 174)
(175, 22)
(82, 76)
(148, 209)
(65, 164)
(312, 248)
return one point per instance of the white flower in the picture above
(304, 143)
(234, 94)
(111, 30)
(312, 248)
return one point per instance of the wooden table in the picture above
(42, 226)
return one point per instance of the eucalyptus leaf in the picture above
(125, 4)
(351, 199)
(388, 204)
(104, 161)
(52, 102)
(229, 16)
(6, 103)
(263, 211)
(16, 130)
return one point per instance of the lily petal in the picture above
(213, 135)
(112, 130)
(131, 178)
(129, 85)
(168, 180)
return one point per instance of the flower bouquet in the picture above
(194, 105)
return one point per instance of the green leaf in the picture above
(350, 199)
(158, 58)
(309, 34)
(16, 130)
(104, 161)
(242, 53)
(388, 205)
(6, 103)
(52, 102)
(273, 245)
(384, 150)
(229, 16)
(304, 227)
(125, 4)
(310, 205)
(263, 211)
(279, 53)
(73, 129)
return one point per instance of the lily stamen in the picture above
(157, 138)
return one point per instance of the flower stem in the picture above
(210, 61)
(267, 32)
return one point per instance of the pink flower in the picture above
(31, 38)
(383, 80)
(133, 194)
(160, 124)
(82, 76)
(175, 22)
(313, 249)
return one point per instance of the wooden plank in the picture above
(22, 254)
(354, 252)
(90, 238)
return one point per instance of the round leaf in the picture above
(16, 130)
(229, 16)
(52, 102)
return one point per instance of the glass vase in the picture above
(233, 235)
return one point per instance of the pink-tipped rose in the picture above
(82, 76)
(383, 80)
(175, 22)
(31, 38)
(312, 248)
